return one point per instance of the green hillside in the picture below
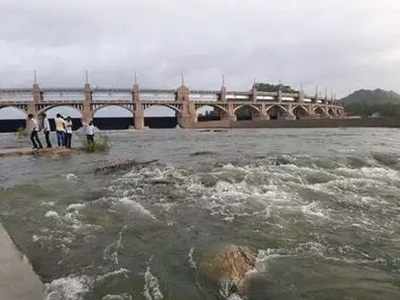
(367, 102)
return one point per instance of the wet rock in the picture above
(202, 153)
(50, 152)
(117, 297)
(229, 267)
(160, 181)
(208, 180)
(122, 165)
(283, 160)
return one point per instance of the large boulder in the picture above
(229, 266)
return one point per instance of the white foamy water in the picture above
(131, 204)
(323, 214)
(152, 289)
(68, 288)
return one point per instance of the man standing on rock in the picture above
(46, 129)
(68, 132)
(60, 130)
(34, 127)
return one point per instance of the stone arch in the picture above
(17, 110)
(331, 112)
(277, 112)
(246, 112)
(119, 107)
(113, 116)
(65, 110)
(210, 112)
(251, 106)
(300, 112)
(65, 106)
(161, 116)
(319, 112)
(162, 107)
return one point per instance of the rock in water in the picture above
(228, 267)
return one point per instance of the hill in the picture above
(268, 87)
(368, 102)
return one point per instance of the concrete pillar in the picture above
(138, 110)
(279, 95)
(187, 117)
(222, 93)
(315, 100)
(301, 96)
(87, 113)
(263, 115)
(254, 93)
(290, 114)
(230, 114)
(37, 97)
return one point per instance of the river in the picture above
(321, 207)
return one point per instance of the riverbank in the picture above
(317, 123)
(17, 279)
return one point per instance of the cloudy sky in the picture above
(338, 44)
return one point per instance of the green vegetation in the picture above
(268, 87)
(368, 102)
(101, 144)
(22, 133)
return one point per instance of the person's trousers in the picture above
(47, 136)
(35, 140)
(90, 139)
(60, 138)
(68, 140)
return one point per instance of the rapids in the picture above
(321, 207)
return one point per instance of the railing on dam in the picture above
(148, 95)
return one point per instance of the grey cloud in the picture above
(334, 43)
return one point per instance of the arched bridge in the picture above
(186, 103)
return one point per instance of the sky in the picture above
(335, 44)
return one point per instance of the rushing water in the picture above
(321, 207)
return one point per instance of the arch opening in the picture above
(160, 116)
(12, 113)
(276, 112)
(246, 112)
(12, 118)
(331, 113)
(319, 113)
(113, 117)
(301, 113)
(209, 113)
(65, 111)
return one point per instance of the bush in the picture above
(101, 144)
(22, 133)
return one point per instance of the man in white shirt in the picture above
(34, 127)
(68, 132)
(90, 129)
(60, 130)
(46, 129)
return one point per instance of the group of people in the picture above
(64, 127)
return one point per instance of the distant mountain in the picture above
(372, 97)
(373, 102)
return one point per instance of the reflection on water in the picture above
(320, 207)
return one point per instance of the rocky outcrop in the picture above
(229, 266)
(40, 152)
(120, 165)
